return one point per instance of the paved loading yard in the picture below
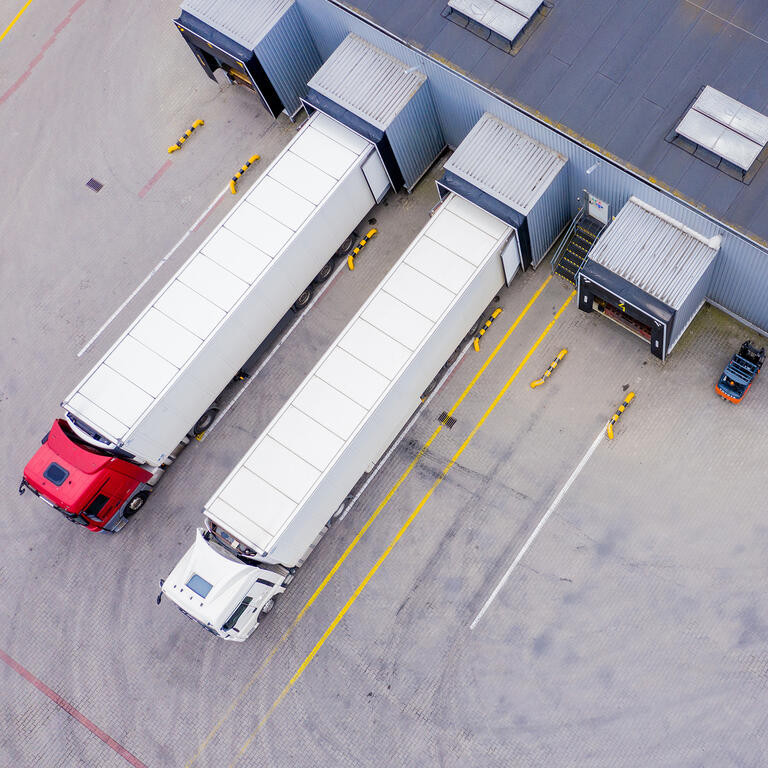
(633, 632)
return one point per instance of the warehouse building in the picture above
(707, 142)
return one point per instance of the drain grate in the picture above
(94, 185)
(444, 418)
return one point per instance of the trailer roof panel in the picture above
(280, 202)
(113, 393)
(345, 372)
(246, 22)
(211, 280)
(375, 348)
(139, 364)
(329, 406)
(479, 218)
(418, 291)
(344, 390)
(188, 308)
(451, 233)
(245, 490)
(282, 468)
(87, 409)
(250, 528)
(306, 437)
(367, 82)
(326, 153)
(165, 336)
(299, 174)
(235, 254)
(341, 134)
(395, 318)
(441, 265)
(259, 229)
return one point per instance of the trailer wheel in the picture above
(429, 390)
(303, 299)
(347, 245)
(453, 358)
(267, 607)
(476, 327)
(204, 422)
(325, 272)
(135, 504)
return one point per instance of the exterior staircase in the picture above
(573, 251)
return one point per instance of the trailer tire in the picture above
(476, 327)
(135, 504)
(325, 272)
(303, 300)
(453, 358)
(430, 389)
(347, 245)
(204, 422)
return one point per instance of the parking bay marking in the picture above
(321, 588)
(576, 472)
(353, 599)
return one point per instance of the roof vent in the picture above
(724, 133)
(501, 22)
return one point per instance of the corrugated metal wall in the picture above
(415, 136)
(289, 57)
(550, 215)
(740, 276)
(684, 316)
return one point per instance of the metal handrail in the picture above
(563, 242)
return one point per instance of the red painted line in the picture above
(48, 43)
(213, 207)
(165, 166)
(70, 710)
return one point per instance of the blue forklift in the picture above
(740, 372)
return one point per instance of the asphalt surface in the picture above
(633, 632)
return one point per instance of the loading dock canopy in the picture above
(384, 100)
(653, 268)
(503, 171)
(245, 22)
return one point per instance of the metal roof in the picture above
(366, 81)
(277, 476)
(726, 127)
(505, 163)
(655, 252)
(246, 22)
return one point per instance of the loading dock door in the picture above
(510, 258)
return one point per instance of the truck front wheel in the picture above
(267, 607)
(135, 504)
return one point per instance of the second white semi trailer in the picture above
(272, 509)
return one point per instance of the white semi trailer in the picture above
(273, 508)
(128, 418)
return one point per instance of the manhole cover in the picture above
(444, 418)
(94, 185)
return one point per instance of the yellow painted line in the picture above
(385, 554)
(362, 531)
(15, 19)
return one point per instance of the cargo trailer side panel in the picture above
(166, 369)
(366, 386)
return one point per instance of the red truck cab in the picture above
(89, 487)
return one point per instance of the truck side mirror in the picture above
(160, 596)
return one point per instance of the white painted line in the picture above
(152, 273)
(277, 346)
(383, 460)
(542, 523)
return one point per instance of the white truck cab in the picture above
(209, 580)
